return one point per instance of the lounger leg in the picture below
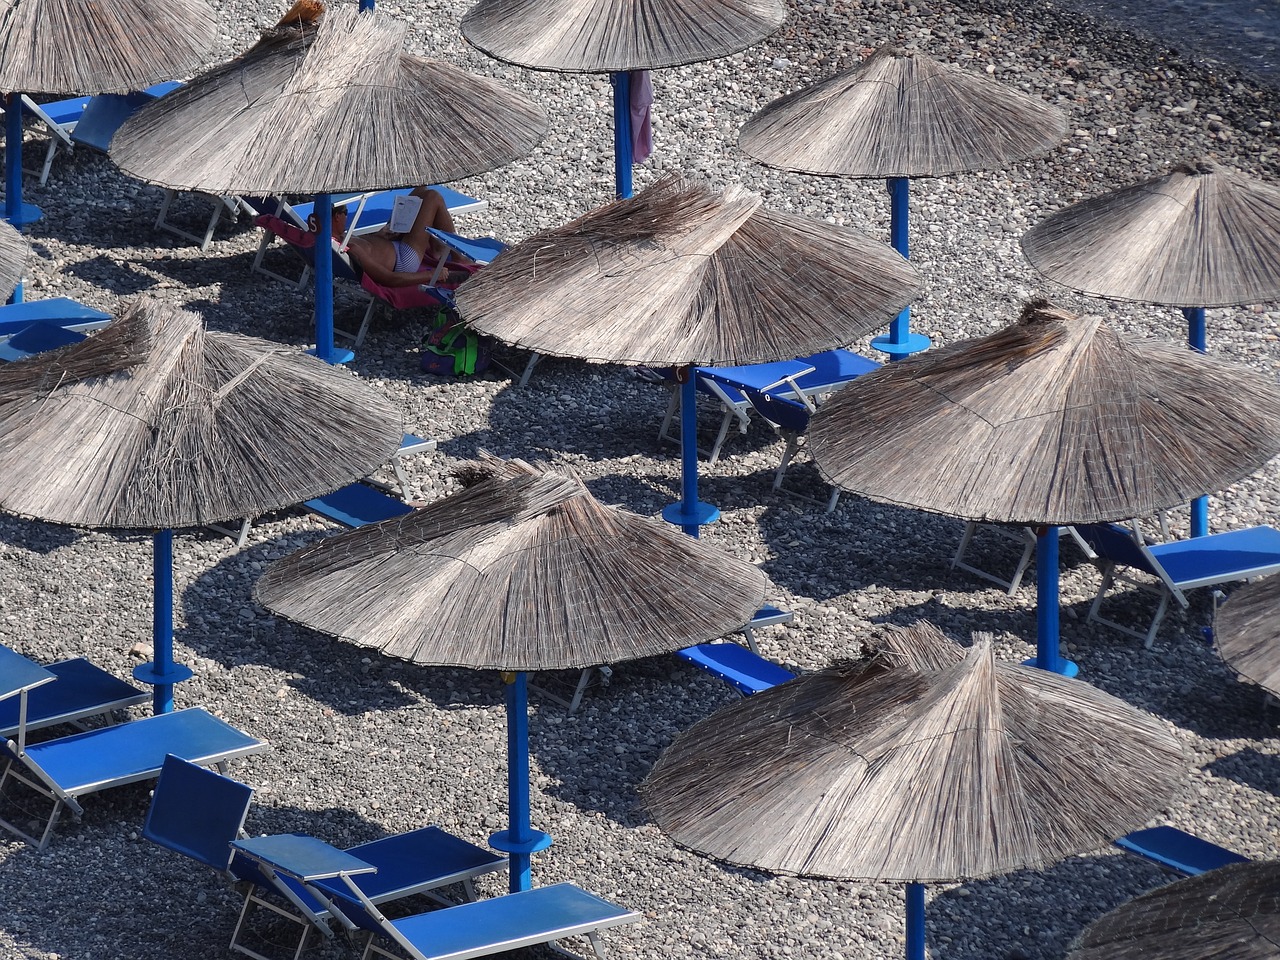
(724, 432)
(528, 369)
(1028, 551)
(833, 500)
(673, 405)
(1150, 639)
(793, 445)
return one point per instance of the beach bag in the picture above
(449, 349)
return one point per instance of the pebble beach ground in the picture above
(363, 745)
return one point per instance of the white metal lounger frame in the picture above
(59, 135)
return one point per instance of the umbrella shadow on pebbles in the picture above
(1250, 766)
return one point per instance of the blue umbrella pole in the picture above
(689, 514)
(162, 673)
(1196, 340)
(900, 342)
(915, 921)
(519, 841)
(366, 5)
(1048, 655)
(325, 349)
(15, 211)
(622, 152)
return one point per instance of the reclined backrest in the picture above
(1116, 543)
(197, 812)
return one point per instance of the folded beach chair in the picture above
(1175, 567)
(63, 770)
(478, 928)
(60, 311)
(59, 118)
(33, 697)
(199, 814)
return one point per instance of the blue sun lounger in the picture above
(59, 311)
(1177, 566)
(70, 767)
(65, 692)
(479, 928)
(1178, 850)
(59, 118)
(198, 813)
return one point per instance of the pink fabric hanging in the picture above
(641, 118)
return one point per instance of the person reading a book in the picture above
(405, 257)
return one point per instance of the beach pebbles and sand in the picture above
(363, 745)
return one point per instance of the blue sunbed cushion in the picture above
(735, 664)
(411, 862)
(1236, 554)
(1179, 850)
(63, 311)
(82, 689)
(37, 338)
(357, 505)
(63, 112)
(17, 673)
(485, 927)
(133, 751)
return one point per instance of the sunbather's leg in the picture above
(434, 212)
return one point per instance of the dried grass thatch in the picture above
(1247, 633)
(15, 254)
(1200, 236)
(78, 47)
(524, 570)
(156, 423)
(327, 109)
(1232, 913)
(1053, 420)
(604, 36)
(679, 274)
(901, 114)
(869, 772)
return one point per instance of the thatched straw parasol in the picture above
(323, 109)
(1200, 236)
(522, 571)
(156, 423)
(681, 275)
(15, 254)
(900, 114)
(927, 763)
(604, 36)
(1232, 913)
(326, 109)
(1247, 633)
(79, 47)
(1053, 420)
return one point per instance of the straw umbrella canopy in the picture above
(326, 108)
(1054, 420)
(900, 114)
(681, 275)
(1232, 913)
(1247, 635)
(1200, 236)
(79, 47)
(15, 254)
(849, 772)
(604, 36)
(156, 423)
(522, 571)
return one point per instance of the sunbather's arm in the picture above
(379, 273)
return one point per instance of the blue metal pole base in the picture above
(337, 355)
(26, 213)
(897, 349)
(163, 681)
(690, 516)
(520, 870)
(1063, 666)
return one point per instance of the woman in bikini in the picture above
(403, 259)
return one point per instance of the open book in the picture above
(403, 212)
